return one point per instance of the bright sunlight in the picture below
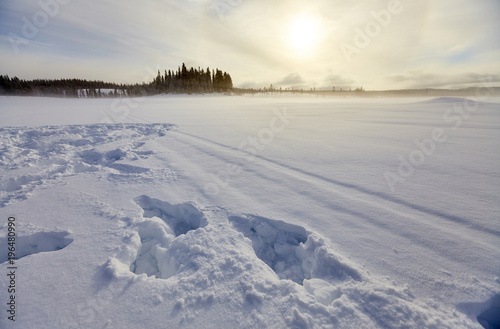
(304, 34)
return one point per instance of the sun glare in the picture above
(304, 34)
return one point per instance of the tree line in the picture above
(193, 81)
(182, 80)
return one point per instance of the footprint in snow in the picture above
(36, 243)
(289, 250)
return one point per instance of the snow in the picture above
(36, 243)
(251, 212)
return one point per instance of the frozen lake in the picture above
(261, 211)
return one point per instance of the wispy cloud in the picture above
(421, 79)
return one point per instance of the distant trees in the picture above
(61, 87)
(193, 81)
(183, 80)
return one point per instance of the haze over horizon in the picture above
(373, 44)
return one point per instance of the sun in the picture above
(304, 34)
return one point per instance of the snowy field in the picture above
(250, 212)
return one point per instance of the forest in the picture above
(180, 81)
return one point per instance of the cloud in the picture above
(420, 79)
(429, 44)
(337, 81)
(291, 80)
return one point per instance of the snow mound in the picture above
(446, 100)
(291, 251)
(180, 218)
(36, 243)
(450, 101)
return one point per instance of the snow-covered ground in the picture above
(251, 212)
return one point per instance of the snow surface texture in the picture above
(251, 212)
(34, 158)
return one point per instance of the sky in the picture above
(375, 44)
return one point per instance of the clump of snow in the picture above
(324, 292)
(158, 255)
(180, 218)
